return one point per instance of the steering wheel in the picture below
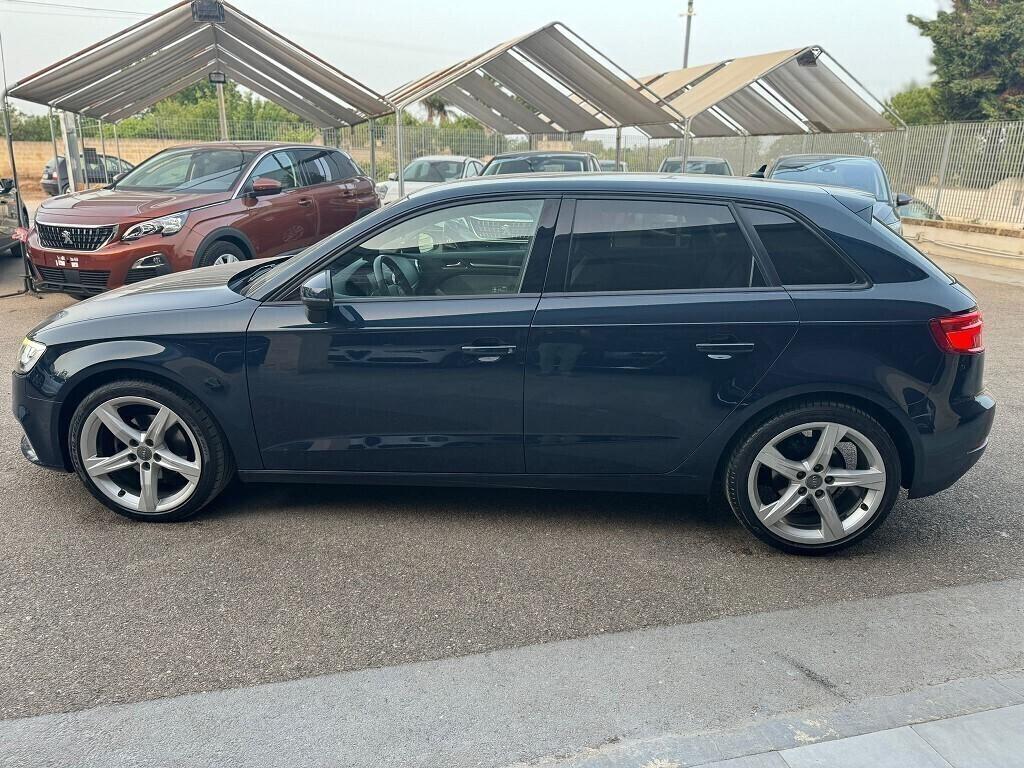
(399, 284)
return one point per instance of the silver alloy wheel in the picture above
(140, 454)
(226, 258)
(823, 481)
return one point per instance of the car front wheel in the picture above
(814, 478)
(148, 452)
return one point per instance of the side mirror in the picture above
(903, 199)
(392, 176)
(317, 295)
(119, 176)
(264, 187)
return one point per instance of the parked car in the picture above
(194, 206)
(715, 166)
(611, 165)
(426, 172)
(918, 209)
(541, 162)
(9, 222)
(54, 180)
(853, 171)
(772, 343)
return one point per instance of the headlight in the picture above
(165, 225)
(29, 355)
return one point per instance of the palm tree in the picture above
(437, 109)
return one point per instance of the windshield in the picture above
(192, 170)
(712, 167)
(854, 172)
(433, 170)
(536, 164)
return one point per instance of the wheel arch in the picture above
(93, 377)
(228, 234)
(899, 426)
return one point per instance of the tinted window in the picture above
(318, 166)
(626, 245)
(799, 255)
(468, 250)
(346, 168)
(278, 166)
(861, 173)
(434, 171)
(539, 164)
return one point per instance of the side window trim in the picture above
(558, 270)
(863, 280)
(537, 258)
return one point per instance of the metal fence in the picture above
(967, 171)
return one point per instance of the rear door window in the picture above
(799, 255)
(641, 245)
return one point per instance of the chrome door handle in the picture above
(489, 354)
(305, 202)
(725, 351)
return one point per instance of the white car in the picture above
(426, 172)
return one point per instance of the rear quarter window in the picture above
(799, 255)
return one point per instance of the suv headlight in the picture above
(165, 225)
(28, 355)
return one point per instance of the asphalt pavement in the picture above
(279, 582)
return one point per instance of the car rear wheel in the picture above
(815, 478)
(147, 452)
(220, 252)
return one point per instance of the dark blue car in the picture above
(767, 342)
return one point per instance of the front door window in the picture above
(467, 250)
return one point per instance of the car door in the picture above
(283, 222)
(655, 323)
(339, 193)
(420, 367)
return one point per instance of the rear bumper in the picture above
(946, 456)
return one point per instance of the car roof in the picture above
(457, 158)
(250, 146)
(738, 187)
(543, 153)
(699, 158)
(814, 158)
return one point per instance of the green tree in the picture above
(917, 105)
(31, 127)
(978, 58)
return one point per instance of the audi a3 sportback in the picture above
(768, 342)
(194, 206)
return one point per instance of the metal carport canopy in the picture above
(548, 81)
(137, 67)
(794, 91)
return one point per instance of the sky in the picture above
(389, 42)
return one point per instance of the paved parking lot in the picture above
(278, 582)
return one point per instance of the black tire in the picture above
(65, 188)
(218, 466)
(215, 250)
(743, 456)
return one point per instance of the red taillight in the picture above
(960, 333)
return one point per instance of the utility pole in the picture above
(686, 39)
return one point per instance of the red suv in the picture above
(195, 206)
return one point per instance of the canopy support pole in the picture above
(103, 158)
(222, 112)
(5, 107)
(400, 160)
(686, 146)
(80, 133)
(70, 140)
(647, 160)
(618, 147)
(117, 147)
(53, 140)
(373, 150)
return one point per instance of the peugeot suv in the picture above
(195, 206)
(774, 345)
